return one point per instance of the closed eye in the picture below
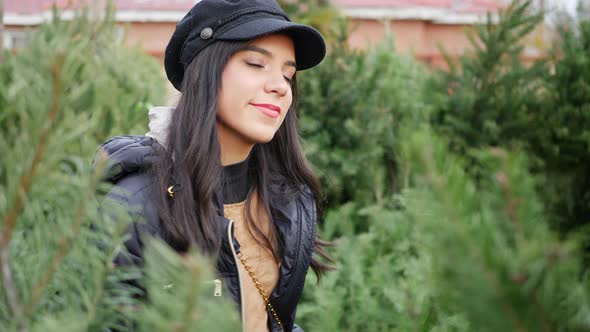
(255, 65)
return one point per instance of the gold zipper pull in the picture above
(217, 291)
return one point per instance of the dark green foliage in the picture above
(492, 99)
(565, 144)
(60, 98)
(352, 107)
(181, 289)
(442, 229)
(454, 234)
(455, 257)
(494, 259)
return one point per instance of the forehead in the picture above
(277, 44)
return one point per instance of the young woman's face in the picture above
(255, 93)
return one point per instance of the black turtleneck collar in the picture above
(236, 182)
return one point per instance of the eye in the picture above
(289, 75)
(255, 65)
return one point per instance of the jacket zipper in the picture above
(233, 251)
(217, 291)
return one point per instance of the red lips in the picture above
(269, 106)
(269, 110)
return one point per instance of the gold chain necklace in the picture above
(260, 290)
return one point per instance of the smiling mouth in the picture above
(270, 110)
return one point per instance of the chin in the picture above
(260, 134)
(261, 137)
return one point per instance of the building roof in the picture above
(459, 6)
(32, 12)
(39, 6)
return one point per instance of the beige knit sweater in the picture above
(265, 267)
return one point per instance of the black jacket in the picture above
(294, 215)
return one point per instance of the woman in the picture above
(224, 171)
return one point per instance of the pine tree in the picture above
(455, 255)
(461, 241)
(564, 145)
(73, 87)
(491, 98)
(351, 109)
(494, 259)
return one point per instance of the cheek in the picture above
(286, 106)
(228, 94)
(233, 96)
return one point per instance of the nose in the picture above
(276, 83)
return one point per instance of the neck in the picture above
(233, 148)
(236, 182)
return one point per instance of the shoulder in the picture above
(294, 199)
(134, 188)
(309, 205)
(136, 195)
(126, 155)
(306, 193)
(132, 201)
(128, 163)
(307, 199)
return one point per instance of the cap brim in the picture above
(310, 48)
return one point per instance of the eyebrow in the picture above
(267, 53)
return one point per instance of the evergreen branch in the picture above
(9, 286)
(439, 185)
(512, 203)
(99, 284)
(412, 312)
(547, 326)
(100, 287)
(193, 287)
(63, 245)
(65, 242)
(22, 190)
(109, 266)
(27, 178)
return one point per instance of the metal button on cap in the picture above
(206, 33)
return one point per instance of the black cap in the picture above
(237, 20)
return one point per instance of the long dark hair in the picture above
(191, 160)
